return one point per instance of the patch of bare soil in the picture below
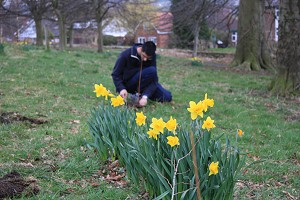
(11, 117)
(12, 185)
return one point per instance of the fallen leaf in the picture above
(75, 122)
(71, 190)
(95, 184)
(114, 178)
(121, 183)
(288, 194)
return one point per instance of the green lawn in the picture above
(222, 50)
(57, 87)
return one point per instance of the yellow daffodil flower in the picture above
(117, 101)
(208, 124)
(207, 102)
(140, 118)
(240, 132)
(171, 124)
(196, 109)
(173, 140)
(158, 125)
(213, 168)
(100, 90)
(153, 133)
(106, 94)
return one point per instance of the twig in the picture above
(195, 166)
(176, 169)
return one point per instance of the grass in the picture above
(223, 50)
(58, 87)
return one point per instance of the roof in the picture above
(113, 28)
(163, 22)
(28, 30)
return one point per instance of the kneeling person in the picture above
(128, 78)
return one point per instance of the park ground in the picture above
(46, 98)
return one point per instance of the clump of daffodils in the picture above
(150, 147)
(158, 126)
(196, 61)
(100, 90)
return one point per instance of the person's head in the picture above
(148, 50)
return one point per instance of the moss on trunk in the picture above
(287, 80)
(251, 52)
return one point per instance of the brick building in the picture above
(157, 30)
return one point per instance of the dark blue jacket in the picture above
(127, 65)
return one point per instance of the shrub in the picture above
(110, 40)
(174, 161)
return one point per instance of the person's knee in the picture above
(149, 74)
(151, 71)
(168, 97)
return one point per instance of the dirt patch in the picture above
(11, 117)
(12, 185)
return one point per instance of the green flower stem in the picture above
(195, 166)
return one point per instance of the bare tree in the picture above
(251, 52)
(192, 14)
(66, 13)
(7, 22)
(10, 18)
(287, 80)
(101, 10)
(60, 10)
(37, 10)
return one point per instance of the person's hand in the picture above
(143, 101)
(124, 93)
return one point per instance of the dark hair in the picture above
(149, 48)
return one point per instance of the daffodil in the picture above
(153, 133)
(158, 125)
(173, 140)
(207, 102)
(106, 94)
(100, 90)
(240, 132)
(140, 118)
(171, 124)
(196, 109)
(117, 101)
(213, 168)
(208, 124)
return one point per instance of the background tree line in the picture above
(66, 12)
(191, 22)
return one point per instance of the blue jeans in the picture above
(149, 85)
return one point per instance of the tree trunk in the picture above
(62, 31)
(287, 80)
(196, 40)
(39, 31)
(251, 52)
(47, 37)
(100, 37)
(70, 35)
